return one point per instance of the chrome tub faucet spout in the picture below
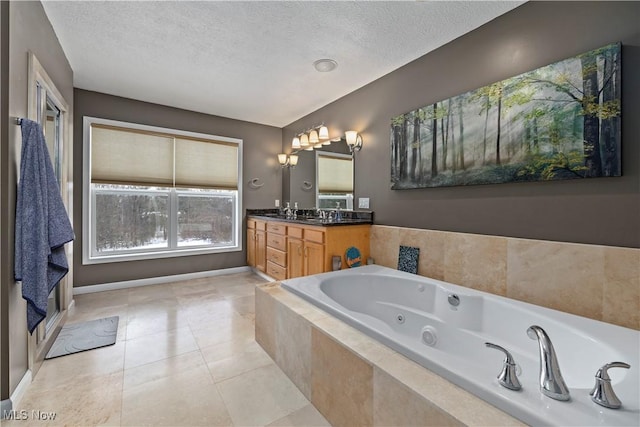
(551, 382)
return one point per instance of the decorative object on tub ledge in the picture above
(336, 262)
(255, 183)
(42, 225)
(353, 257)
(561, 121)
(307, 185)
(84, 336)
(408, 259)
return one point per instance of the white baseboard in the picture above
(21, 389)
(156, 280)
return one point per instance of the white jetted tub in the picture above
(414, 316)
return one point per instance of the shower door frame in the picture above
(41, 88)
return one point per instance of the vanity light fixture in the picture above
(287, 160)
(354, 140)
(314, 137)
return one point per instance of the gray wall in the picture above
(4, 249)
(598, 211)
(261, 144)
(29, 30)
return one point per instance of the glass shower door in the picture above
(50, 120)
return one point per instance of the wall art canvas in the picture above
(561, 121)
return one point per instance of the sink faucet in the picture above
(551, 382)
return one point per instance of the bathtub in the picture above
(413, 315)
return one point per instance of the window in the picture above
(152, 192)
(334, 180)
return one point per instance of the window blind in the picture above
(206, 164)
(335, 175)
(132, 157)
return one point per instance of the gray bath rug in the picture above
(84, 336)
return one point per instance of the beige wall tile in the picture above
(265, 328)
(293, 348)
(476, 261)
(431, 245)
(385, 244)
(562, 276)
(395, 405)
(621, 296)
(341, 383)
(365, 347)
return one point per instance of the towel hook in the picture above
(255, 183)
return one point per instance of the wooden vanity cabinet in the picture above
(276, 250)
(305, 251)
(285, 250)
(257, 244)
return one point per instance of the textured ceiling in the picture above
(251, 60)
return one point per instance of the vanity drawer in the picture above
(277, 257)
(295, 232)
(276, 271)
(277, 241)
(260, 225)
(251, 223)
(314, 235)
(276, 228)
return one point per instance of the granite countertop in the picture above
(306, 217)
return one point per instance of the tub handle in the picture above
(507, 377)
(602, 393)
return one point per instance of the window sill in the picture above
(142, 256)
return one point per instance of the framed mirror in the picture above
(300, 183)
(334, 180)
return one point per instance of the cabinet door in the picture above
(251, 247)
(314, 258)
(295, 258)
(261, 250)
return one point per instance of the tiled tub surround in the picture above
(353, 379)
(399, 308)
(598, 282)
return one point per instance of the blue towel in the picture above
(42, 225)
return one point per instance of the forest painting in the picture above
(558, 122)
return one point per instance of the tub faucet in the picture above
(551, 382)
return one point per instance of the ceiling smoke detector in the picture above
(325, 65)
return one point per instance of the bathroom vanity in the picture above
(287, 248)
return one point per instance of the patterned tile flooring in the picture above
(185, 356)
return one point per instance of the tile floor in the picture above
(185, 356)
